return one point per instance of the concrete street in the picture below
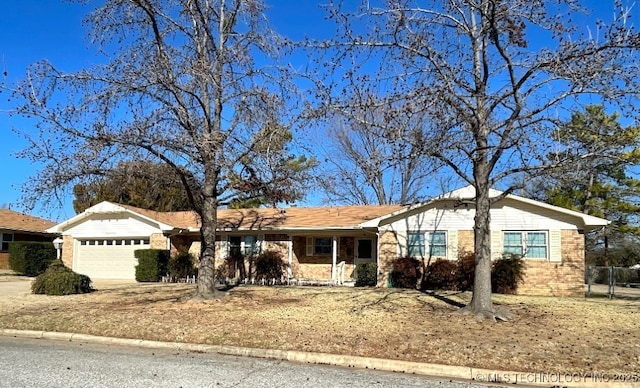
(45, 363)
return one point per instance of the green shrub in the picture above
(441, 275)
(182, 265)
(152, 264)
(30, 258)
(366, 275)
(60, 280)
(466, 271)
(506, 273)
(269, 265)
(405, 272)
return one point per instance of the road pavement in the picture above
(28, 362)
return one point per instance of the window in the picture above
(532, 245)
(438, 244)
(416, 244)
(250, 245)
(6, 239)
(243, 246)
(322, 246)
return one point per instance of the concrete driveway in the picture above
(14, 285)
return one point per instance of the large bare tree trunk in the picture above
(481, 303)
(206, 270)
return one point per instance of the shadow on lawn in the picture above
(444, 299)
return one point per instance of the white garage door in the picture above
(108, 259)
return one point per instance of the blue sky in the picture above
(32, 30)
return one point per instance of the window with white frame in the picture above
(417, 244)
(250, 245)
(532, 245)
(322, 245)
(243, 245)
(438, 244)
(6, 239)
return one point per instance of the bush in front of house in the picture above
(441, 275)
(60, 280)
(30, 258)
(152, 264)
(182, 265)
(506, 273)
(366, 275)
(405, 272)
(269, 265)
(466, 271)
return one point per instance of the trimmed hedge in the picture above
(182, 265)
(30, 258)
(441, 275)
(466, 271)
(269, 265)
(60, 280)
(506, 273)
(405, 273)
(152, 264)
(367, 275)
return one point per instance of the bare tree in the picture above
(494, 77)
(193, 84)
(376, 158)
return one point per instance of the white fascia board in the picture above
(104, 207)
(589, 221)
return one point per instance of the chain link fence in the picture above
(613, 281)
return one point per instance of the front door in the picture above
(364, 251)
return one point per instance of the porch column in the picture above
(290, 257)
(334, 257)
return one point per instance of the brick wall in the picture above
(4, 260)
(388, 245)
(465, 241)
(67, 251)
(543, 277)
(558, 279)
(157, 241)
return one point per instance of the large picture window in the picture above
(417, 244)
(532, 245)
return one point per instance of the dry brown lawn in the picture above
(546, 335)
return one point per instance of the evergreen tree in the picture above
(601, 182)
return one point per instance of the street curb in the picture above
(477, 375)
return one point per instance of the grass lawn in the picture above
(546, 335)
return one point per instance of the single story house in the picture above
(327, 242)
(16, 226)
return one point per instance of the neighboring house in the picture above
(16, 226)
(314, 241)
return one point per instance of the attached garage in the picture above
(101, 241)
(108, 258)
